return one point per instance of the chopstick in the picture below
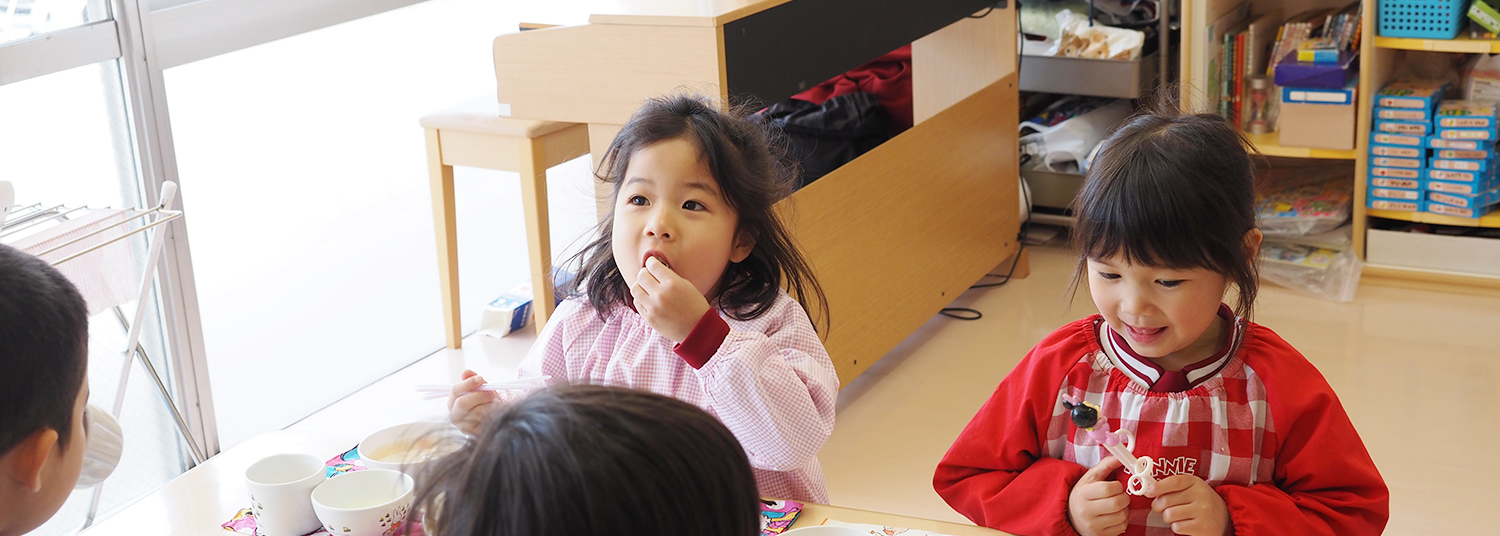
(440, 390)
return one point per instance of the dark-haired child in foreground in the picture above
(680, 294)
(1247, 436)
(594, 461)
(44, 361)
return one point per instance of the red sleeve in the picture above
(997, 472)
(1325, 481)
(704, 340)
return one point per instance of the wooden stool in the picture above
(474, 134)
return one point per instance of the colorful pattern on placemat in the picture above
(777, 516)
(348, 462)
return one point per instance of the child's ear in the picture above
(1252, 242)
(744, 241)
(28, 458)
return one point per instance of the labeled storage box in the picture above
(1465, 134)
(1407, 184)
(1402, 114)
(1457, 212)
(1459, 154)
(1410, 94)
(1398, 151)
(1466, 114)
(1386, 138)
(1386, 161)
(1395, 193)
(1389, 204)
(1460, 188)
(1398, 173)
(1399, 127)
(1460, 165)
(1457, 176)
(1476, 200)
(1468, 145)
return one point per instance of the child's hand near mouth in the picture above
(669, 303)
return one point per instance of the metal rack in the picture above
(126, 223)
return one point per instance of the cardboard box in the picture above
(1433, 252)
(1320, 126)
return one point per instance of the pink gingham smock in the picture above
(770, 382)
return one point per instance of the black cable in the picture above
(991, 8)
(965, 313)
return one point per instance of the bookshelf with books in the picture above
(1227, 42)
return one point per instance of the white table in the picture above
(203, 498)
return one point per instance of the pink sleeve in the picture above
(997, 473)
(775, 390)
(1325, 481)
(548, 355)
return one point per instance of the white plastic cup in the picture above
(281, 489)
(372, 502)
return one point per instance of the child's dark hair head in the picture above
(594, 460)
(752, 174)
(1174, 191)
(44, 335)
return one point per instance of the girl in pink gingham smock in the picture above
(681, 294)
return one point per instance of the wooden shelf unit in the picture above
(1461, 45)
(1491, 220)
(1379, 57)
(1270, 145)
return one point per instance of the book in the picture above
(1206, 75)
(1300, 27)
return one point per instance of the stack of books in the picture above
(1399, 144)
(1461, 173)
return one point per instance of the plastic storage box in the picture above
(1421, 19)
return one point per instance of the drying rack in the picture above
(134, 222)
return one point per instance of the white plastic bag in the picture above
(1078, 39)
(1325, 273)
(1071, 142)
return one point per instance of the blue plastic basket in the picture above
(1422, 19)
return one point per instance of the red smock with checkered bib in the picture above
(1256, 421)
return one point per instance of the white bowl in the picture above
(406, 447)
(363, 503)
(823, 530)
